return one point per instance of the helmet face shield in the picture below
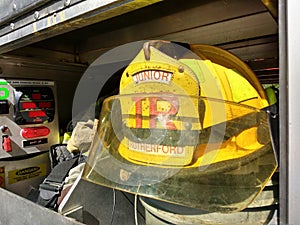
(200, 152)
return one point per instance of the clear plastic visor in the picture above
(198, 152)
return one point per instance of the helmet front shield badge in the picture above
(161, 138)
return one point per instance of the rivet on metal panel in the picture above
(36, 15)
(181, 69)
(67, 2)
(54, 18)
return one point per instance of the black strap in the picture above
(273, 115)
(59, 153)
(50, 189)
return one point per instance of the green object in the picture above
(271, 95)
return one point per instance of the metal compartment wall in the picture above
(249, 29)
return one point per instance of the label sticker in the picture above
(154, 149)
(15, 176)
(152, 75)
(35, 142)
(2, 177)
(152, 108)
(30, 82)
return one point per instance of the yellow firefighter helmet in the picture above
(187, 127)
